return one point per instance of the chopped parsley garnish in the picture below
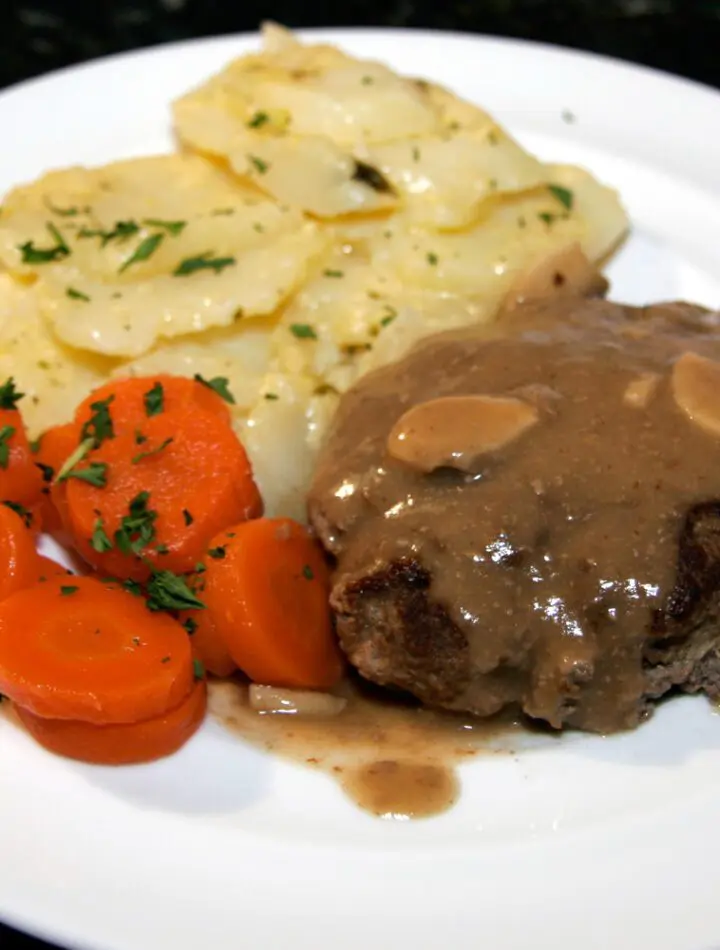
(258, 120)
(48, 472)
(150, 452)
(168, 591)
(187, 517)
(190, 625)
(416, 154)
(198, 670)
(99, 426)
(371, 176)
(333, 273)
(258, 164)
(140, 439)
(71, 212)
(162, 549)
(74, 294)
(120, 233)
(95, 474)
(547, 217)
(219, 211)
(25, 513)
(132, 587)
(218, 384)
(200, 568)
(6, 433)
(99, 540)
(217, 553)
(303, 331)
(432, 259)
(203, 262)
(563, 195)
(172, 227)
(35, 445)
(9, 396)
(307, 572)
(66, 591)
(390, 314)
(367, 80)
(154, 399)
(77, 456)
(143, 251)
(44, 255)
(271, 396)
(137, 529)
(166, 659)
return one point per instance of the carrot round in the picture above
(207, 644)
(56, 445)
(120, 743)
(76, 648)
(162, 499)
(266, 590)
(130, 401)
(20, 480)
(49, 569)
(19, 561)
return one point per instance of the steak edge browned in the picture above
(574, 571)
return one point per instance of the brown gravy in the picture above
(392, 757)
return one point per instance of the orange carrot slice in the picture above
(75, 648)
(56, 445)
(266, 590)
(159, 502)
(18, 557)
(121, 743)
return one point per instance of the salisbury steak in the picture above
(530, 513)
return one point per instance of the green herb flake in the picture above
(99, 540)
(258, 227)
(198, 670)
(9, 396)
(258, 164)
(166, 659)
(219, 385)
(77, 456)
(416, 154)
(162, 549)
(47, 471)
(154, 399)
(432, 259)
(140, 439)
(67, 590)
(71, 212)
(217, 553)
(143, 251)
(187, 517)
(303, 331)
(132, 587)
(99, 426)
(390, 315)
(95, 474)
(258, 120)
(190, 626)
(137, 528)
(34, 446)
(203, 262)
(199, 568)
(122, 231)
(168, 591)
(333, 273)
(45, 255)
(6, 433)
(172, 227)
(271, 396)
(307, 572)
(367, 80)
(74, 294)
(222, 211)
(25, 513)
(547, 217)
(563, 195)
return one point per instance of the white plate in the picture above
(580, 843)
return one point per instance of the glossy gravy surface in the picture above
(392, 757)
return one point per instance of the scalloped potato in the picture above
(324, 214)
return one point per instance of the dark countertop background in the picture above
(681, 36)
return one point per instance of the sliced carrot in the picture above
(165, 498)
(56, 445)
(266, 590)
(18, 557)
(20, 480)
(75, 648)
(49, 569)
(120, 743)
(132, 400)
(207, 644)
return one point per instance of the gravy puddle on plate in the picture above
(391, 757)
